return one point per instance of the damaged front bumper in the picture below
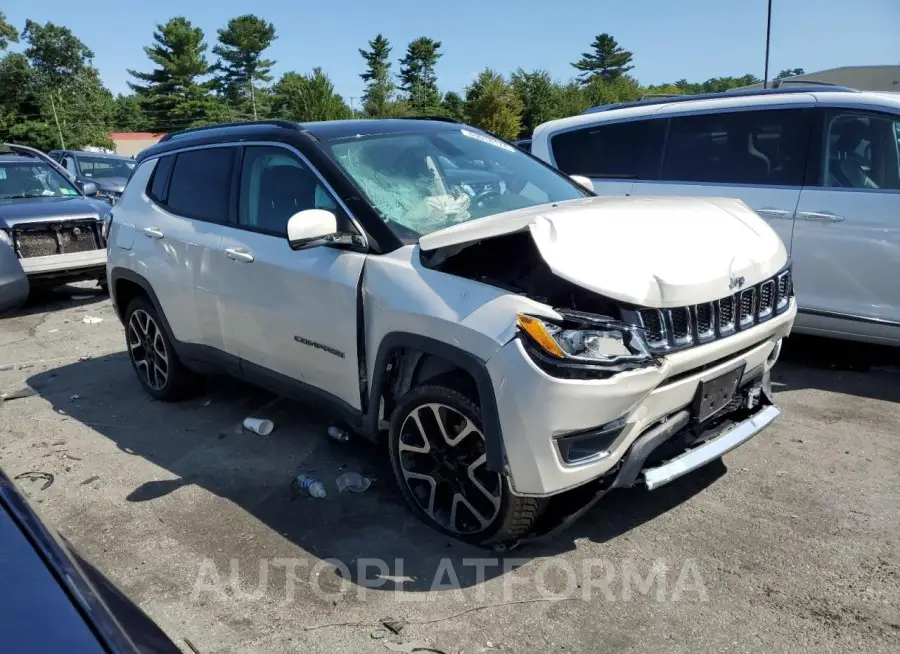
(711, 450)
(539, 411)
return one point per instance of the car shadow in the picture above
(858, 369)
(200, 442)
(67, 296)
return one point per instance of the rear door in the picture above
(290, 315)
(847, 234)
(177, 239)
(609, 153)
(756, 155)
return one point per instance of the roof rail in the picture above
(777, 83)
(275, 122)
(25, 151)
(806, 88)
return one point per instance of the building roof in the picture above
(864, 78)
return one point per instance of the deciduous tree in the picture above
(308, 97)
(8, 33)
(492, 105)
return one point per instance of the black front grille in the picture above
(681, 325)
(748, 306)
(43, 240)
(706, 326)
(766, 298)
(653, 327)
(673, 329)
(726, 315)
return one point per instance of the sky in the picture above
(670, 39)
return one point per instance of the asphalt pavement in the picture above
(791, 543)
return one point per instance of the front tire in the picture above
(438, 453)
(153, 358)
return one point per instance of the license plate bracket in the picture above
(716, 392)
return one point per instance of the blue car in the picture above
(52, 600)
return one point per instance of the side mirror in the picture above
(581, 180)
(310, 225)
(89, 189)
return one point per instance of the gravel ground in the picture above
(791, 544)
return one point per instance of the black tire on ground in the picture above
(102, 283)
(502, 517)
(159, 370)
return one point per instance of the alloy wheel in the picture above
(147, 348)
(444, 464)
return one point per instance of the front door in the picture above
(847, 235)
(756, 156)
(290, 315)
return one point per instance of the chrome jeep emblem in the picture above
(736, 282)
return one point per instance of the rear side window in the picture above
(746, 147)
(201, 184)
(159, 182)
(862, 150)
(611, 150)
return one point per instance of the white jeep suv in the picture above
(508, 334)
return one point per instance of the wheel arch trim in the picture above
(466, 361)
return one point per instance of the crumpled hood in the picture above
(648, 251)
(31, 210)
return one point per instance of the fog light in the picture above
(590, 444)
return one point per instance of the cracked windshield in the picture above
(420, 183)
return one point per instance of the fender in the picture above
(117, 274)
(477, 368)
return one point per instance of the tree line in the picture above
(52, 96)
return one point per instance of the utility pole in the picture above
(62, 143)
(768, 38)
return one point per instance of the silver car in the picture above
(820, 164)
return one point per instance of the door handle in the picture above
(782, 214)
(153, 232)
(819, 216)
(238, 254)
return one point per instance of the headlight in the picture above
(588, 339)
(4, 238)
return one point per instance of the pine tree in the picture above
(417, 74)
(608, 61)
(241, 65)
(379, 86)
(174, 94)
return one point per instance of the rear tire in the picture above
(153, 358)
(438, 454)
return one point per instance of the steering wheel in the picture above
(482, 197)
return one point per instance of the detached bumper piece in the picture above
(712, 449)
